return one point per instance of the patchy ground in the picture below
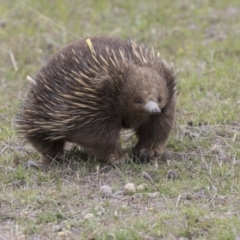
(193, 191)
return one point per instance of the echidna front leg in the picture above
(112, 153)
(106, 147)
(118, 156)
(49, 150)
(152, 137)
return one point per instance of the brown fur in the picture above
(87, 94)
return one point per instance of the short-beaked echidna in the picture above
(90, 90)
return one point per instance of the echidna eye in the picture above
(137, 101)
(159, 99)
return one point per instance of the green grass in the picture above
(201, 39)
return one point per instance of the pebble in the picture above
(106, 191)
(57, 228)
(63, 233)
(88, 216)
(129, 189)
(142, 187)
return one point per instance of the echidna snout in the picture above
(152, 107)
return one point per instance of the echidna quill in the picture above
(93, 88)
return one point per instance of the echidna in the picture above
(93, 88)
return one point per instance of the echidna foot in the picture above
(119, 158)
(143, 155)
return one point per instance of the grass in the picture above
(193, 193)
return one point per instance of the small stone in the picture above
(142, 187)
(63, 233)
(57, 228)
(106, 191)
(88, 216)
(129, 189)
